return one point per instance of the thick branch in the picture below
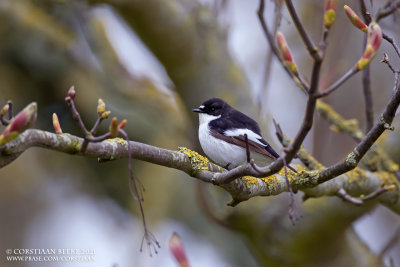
(106, 150)
(197, 166)
(362, 148)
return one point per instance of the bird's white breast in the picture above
(222, 152)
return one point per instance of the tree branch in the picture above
(392, 42)
(338, 123)
(338, 82)
(197, 166)
(271, 41)
(369, 110)
(366, 78)
(311, 47)
(389, 11)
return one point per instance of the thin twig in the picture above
(10, 109)
(366, 77)
(360, 200)
(135, 185)
(268, 63)
(4, 121)
(309, 113)
(343, 194)
(392, 42)
(382, 14)
(292, 208)
(76, 116)
(271, 41)
(369, 113)
(278, 131)
(369, 110)
(248, 157)
(99, 138)
(151, 241)
(377, 193)
(255, 167)
(311, 47)
(395, 71)
(96, 125)
(338, 83)
(364, 12)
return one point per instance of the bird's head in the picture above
(215, 107)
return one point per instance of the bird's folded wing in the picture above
(240, 140)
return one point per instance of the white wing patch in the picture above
(250, 134)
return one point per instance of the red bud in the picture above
(24, 119)
(355, 20)
(114, 127)
(285, 53)
(331, 4)
(330, 12)
(105, 114)
(122, 124)
(71, 92)
(56, 124)
(101, 106)
(177, 249)
(374, 40)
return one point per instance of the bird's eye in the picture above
(212, 109)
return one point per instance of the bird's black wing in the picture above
(269, 148)
(234, 120)
(237, 120)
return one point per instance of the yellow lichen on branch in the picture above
(198, 161)
(338, 123)
(119, 140)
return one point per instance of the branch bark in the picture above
(199, 167)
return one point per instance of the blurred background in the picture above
(152, 62)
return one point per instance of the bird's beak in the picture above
(197, 110)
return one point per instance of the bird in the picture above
(222, 131)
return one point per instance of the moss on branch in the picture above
(338, 123)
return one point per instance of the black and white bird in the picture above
(222, 132)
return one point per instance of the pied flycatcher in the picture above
(221, 134)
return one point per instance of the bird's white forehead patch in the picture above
(201, 107)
